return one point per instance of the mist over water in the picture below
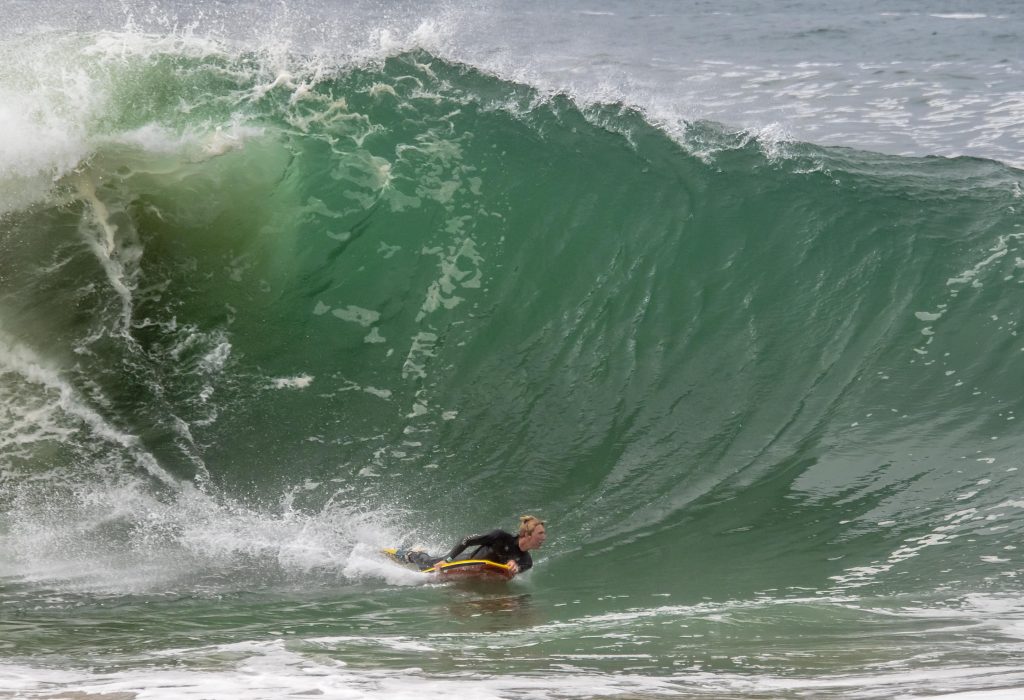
(281, 285)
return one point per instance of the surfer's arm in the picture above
(471, 541)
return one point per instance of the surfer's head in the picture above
(531, 532)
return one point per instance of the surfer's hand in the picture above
(513, 567)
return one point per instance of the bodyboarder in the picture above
(497, 546)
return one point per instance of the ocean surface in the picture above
(729, 292)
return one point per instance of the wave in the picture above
(244, 294)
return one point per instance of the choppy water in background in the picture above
(730, 296)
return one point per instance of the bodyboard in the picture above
(461, 569)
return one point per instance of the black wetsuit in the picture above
(497, 545)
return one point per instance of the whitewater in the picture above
(727, 293)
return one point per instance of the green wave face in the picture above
(249, 301)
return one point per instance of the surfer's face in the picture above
(534, 540)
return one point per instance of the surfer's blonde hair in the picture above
(527, 524)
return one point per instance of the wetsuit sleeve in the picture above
(472, 541)
(525, 562)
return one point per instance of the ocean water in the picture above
(728, 292)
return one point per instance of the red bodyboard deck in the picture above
(463, 569)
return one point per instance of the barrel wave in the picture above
(260, 316)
